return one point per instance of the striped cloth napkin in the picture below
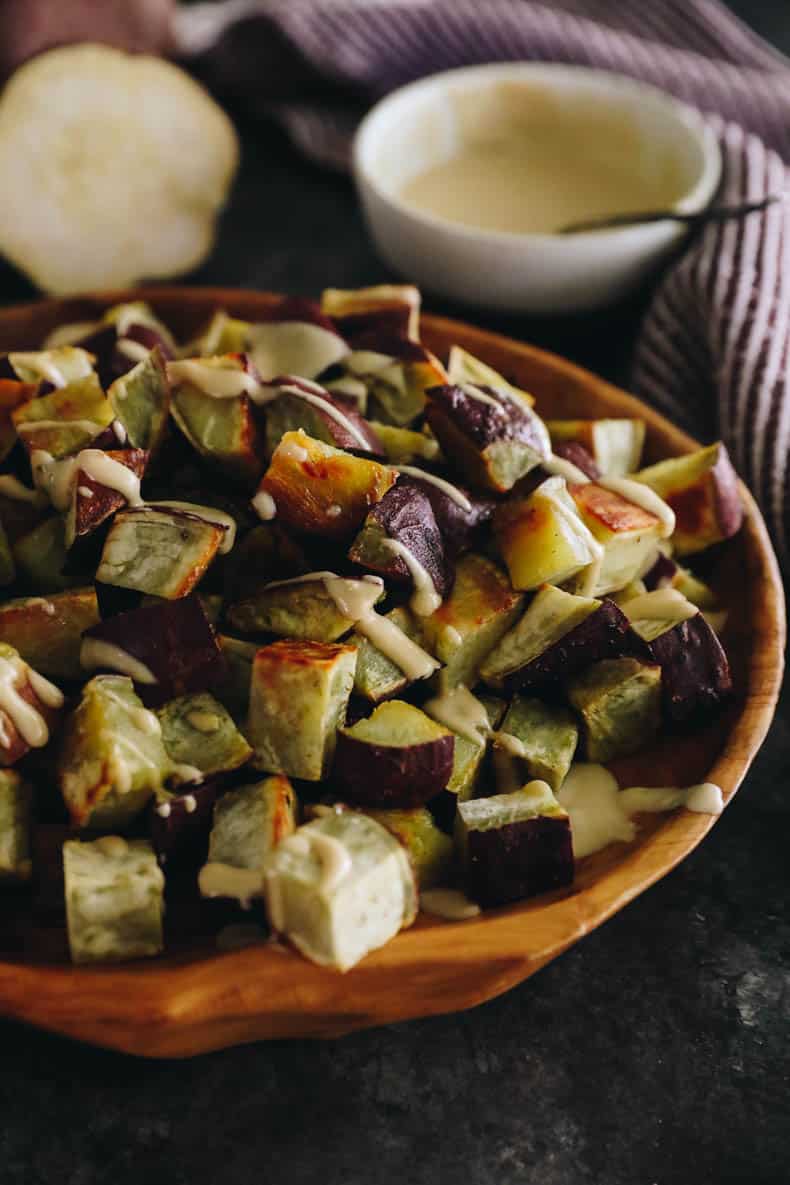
(714, 349)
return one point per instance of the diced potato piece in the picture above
(463, 367)
(514, 845)
(113, 758)
(140, 400)
(267, 553)
(628, 533)
(294, 338)
(390, 307)
(339, 888)
(198, 732)
(702, 489)
(321, 416)
(542, 539)
(66, 419)
(481, 607)
(558, 635)
(377, 677)
(468, 756)
(114, 899)
(233, 687)
(298, 698)
(619, 701)
(397, 373)
(93, 502)
(548, 734)
(160, 552)
(405, 517)
(222, 430)
(320, 490)
(59, 365)
(403, 446)
(166, 154)
(430, 849)
(490, 435)
(47, 631)
(615, 445)
(300, 610)
(41, 557)
(251, 821)
(397, 757)
(15, 862)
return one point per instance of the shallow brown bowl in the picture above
(195, 999)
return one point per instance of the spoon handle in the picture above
(711, 214)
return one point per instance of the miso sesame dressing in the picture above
(97, 654)
(264, 506)
(461, 711)
(559, 467)
(132, 349)
(448, 904)
(57, 478)
(223, 880)
(220, 382)
(209, 514)
(40, 364)
(425, 599)
(447, 487)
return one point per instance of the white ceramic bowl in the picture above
(427, 122)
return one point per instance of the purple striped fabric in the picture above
(714, 351)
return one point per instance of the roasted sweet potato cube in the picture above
(702, 489)
(66, 419)
(514, 845)
(29, 707)
(696, 676)
(305, 405)
(251, 821)
(140, 400)
(222, 335)
(15, 839)
(42, 559)
(303, 609)
(319, 490)
(377, 677)
(114, 899)
(558, 635)
(481, 607)
(547, 734)
(489, 435)
(542, 539)
(47, 631)
(168, 648)
(404, 517)
(397, 373)
(619, 702)
(200, 737)
(92, 502)
(223, 430)
(615, 445)
(387, 308)
(463, 367)
(113, 759)
(628, 533)
(430, 849)
(232, 688)
(59, 366)
(164, 553)
(404, 446)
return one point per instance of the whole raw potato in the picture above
(28, 27)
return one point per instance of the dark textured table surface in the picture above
(656, 1052)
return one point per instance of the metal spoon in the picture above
(711, 214)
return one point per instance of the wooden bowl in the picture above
(194, 998)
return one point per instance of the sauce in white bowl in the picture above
(465, 178)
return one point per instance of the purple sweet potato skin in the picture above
(405, 514)
(174, 639)
(184, 834)
(375, 324)
(606, 633)
(695, 672)
(518, 860)
(392, 776)
(481, 422)
(578, 455)
(457, 525)
(341, 437)
(663, 572)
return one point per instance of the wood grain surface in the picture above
(195, 999)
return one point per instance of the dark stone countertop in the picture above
(656, 1052)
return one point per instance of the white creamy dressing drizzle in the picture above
(425, 599)
(132, 349)
(41, 602)
(181, 772)
(459, 710)
(449, 904)
(57, 478)
(474, 392)
(559, 467)
(220, 382)
(119, 432)
(641, 495)
(510, 743)
(458, 496)
(601, 813)
(11, 487)
(97, 654)
(25, 717)
(264, 506)
(293, 451)
(209, 514)
(223, 880)
(205, 722)
(114, 847)
(89, 426)
(85, 492)
(329, 409)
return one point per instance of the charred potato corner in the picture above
(313, 629)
